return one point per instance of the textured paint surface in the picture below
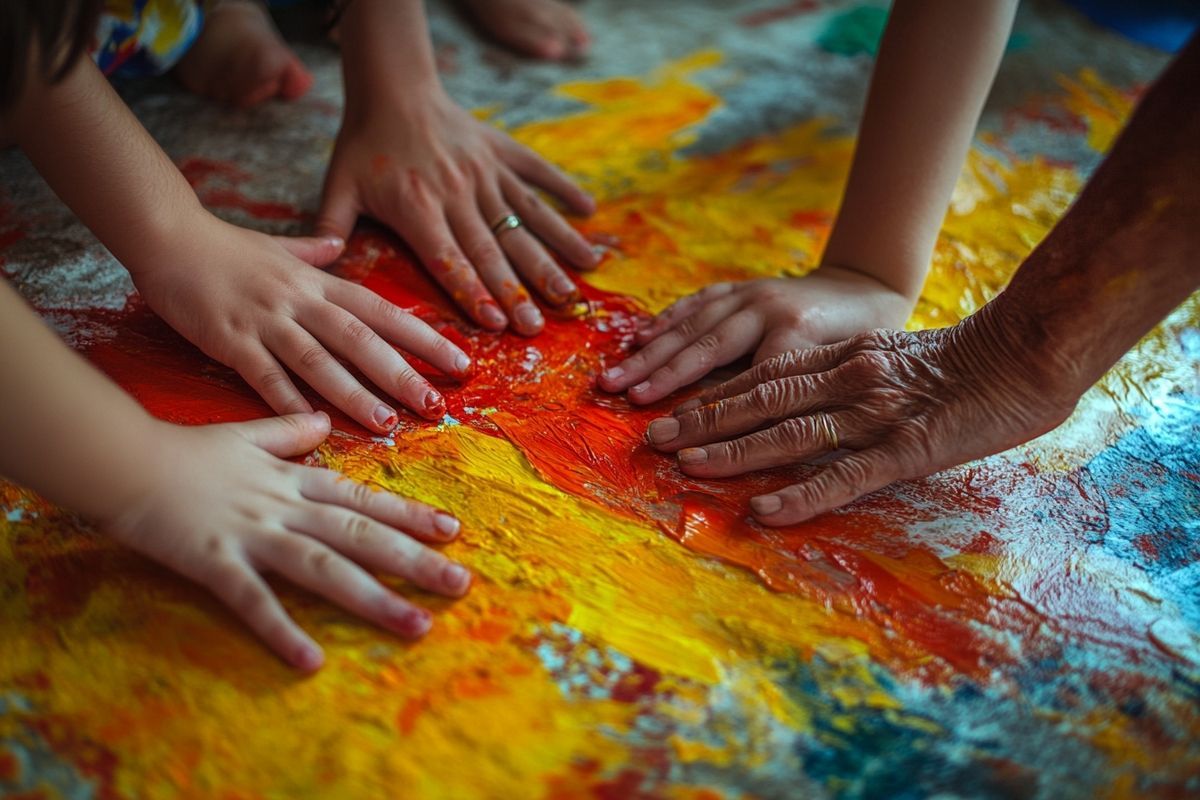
(1022, 626)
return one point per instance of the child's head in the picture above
(44, 38)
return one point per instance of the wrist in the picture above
(163, 243)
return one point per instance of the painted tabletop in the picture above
(1027, 625)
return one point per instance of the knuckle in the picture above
(428, 564)
(317, 560)
(791, 435)
(360, 398)
(768, 399)
(410, 384)
(315, 357)
(356, 530)
(482, 251)
(361, 495)
(356, 332)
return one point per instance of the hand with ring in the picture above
(886, 405)
(463, 196)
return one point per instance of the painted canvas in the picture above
(1023, 626)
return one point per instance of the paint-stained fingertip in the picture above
(683, 408)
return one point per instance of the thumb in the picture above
(286, 436)
(339, 209)
(320, 251)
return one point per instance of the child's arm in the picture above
(215, 503)
(936, 62)
(249, 300)
(410, 157)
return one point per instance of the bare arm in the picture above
(936, 62)
(410, 157)
(908, 404)
(249, 300)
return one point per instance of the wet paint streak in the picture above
(1007, 628)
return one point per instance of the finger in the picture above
(381, 548)
(339, 208)
(265, 376)
(248, 596)
(842, 482)
(314, 566)
(765, 404)
(354, 341)
(480, 245)
(547, 223)
(726, 343)
(287, 436)
(401, 328)
(638, 367)
(682, 308)
(309, 359)
(784, 365)
(534, 169)
(319, 251)
(326, 486)
(792, 441)
(431, 240)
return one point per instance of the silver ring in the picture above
(508, 222)
(825, 422)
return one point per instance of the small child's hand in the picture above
(441, 180)
(255, 303)
(725, 321)
(220, 505)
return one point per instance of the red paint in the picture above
(216, 182)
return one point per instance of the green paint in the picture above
(854, 32)
(858, 31)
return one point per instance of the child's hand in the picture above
(255, 303)
(219, 505)
(724, 322)
(441, 179)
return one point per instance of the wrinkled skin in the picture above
(440, 179)
(724, 322)
(257, 304)
(897, 405)
(218, 504)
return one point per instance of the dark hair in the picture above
(56, 32)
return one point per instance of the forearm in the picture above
(66, 431)
(387, 55)
(936, 63)
(1127, 251)
(99, 159)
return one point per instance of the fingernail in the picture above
(409, 621)
(308, 657)
(462, 363)
(335, 241)
(434, 404)
(690, 405)
(446, 525)
(562, 287)
(384, 417)
(528, 317)
(641, 387)
(456, 578)
(693, 455)
(767, 504)
(614, 374)
(491, 315)
(663, 430)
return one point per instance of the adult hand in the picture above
(255, 303)
(441, 180)
(218, 504)
(725, 321)
(903, 404)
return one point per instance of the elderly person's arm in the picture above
(908, 404)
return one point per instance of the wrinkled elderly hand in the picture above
(725, 321)
(895, 405)
(442, 179)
